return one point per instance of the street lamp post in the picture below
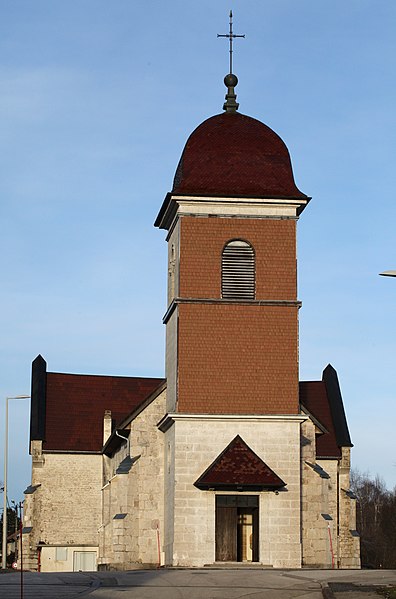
(4, 544)
(388, 273)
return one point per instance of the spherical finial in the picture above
(230, 80)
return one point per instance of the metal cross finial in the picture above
(231, 36)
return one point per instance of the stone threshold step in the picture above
(237, 565)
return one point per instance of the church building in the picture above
(230, 459)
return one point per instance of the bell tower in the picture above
(232, 316)
(233, 418)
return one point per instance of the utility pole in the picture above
(4, 544)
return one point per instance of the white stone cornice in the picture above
(169, 419)
(238, 200)
(183, 205)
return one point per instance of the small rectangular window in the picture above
(61, 554)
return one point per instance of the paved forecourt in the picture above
(47, 585)
(208, 583)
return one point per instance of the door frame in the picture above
(235, 504)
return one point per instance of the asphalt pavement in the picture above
(207, 583)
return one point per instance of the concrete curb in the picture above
(95, 584)
(327, 592)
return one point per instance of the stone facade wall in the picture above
(172, 360)
(169, 494)
(65, 508)
(110, 464)
(328, 529)
(349, 544)
(324, 493)
(160, 502)
(197, 443)
(137, 495)
(319, 496)
(172, 324)
(173, 263)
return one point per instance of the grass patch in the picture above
(387, 592)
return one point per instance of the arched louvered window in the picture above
(238, 271)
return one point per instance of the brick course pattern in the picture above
(203, 239)
(237, 359)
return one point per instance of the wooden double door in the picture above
(237, 523)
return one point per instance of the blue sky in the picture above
(98, 99)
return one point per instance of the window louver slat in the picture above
(238, 271)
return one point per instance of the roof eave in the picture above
(170, 205)
(238, 488)
(114, 441)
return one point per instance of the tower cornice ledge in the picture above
(239, 302)
(176, 205)
(169, 419)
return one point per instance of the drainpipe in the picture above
(125, 439)
(331, 547)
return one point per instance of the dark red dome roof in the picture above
(231, 154)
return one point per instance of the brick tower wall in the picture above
(238, 358)
(201, 244)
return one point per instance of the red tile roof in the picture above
(75, 406)
(238, 467)
(232, 154)
(313, 395)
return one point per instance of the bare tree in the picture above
(376, 520)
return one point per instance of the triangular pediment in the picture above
(238, 468)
